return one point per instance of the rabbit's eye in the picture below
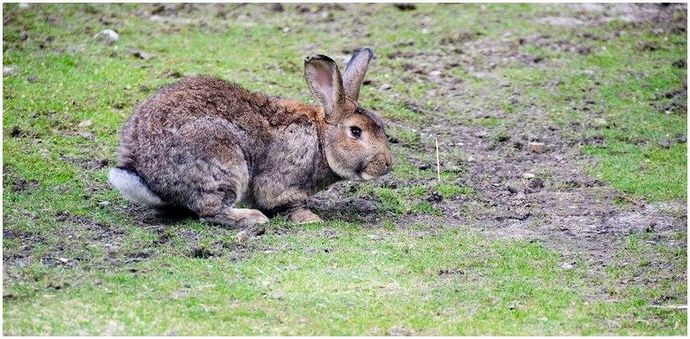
(356, 131)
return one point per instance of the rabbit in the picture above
(206, 144)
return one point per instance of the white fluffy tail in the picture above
(133, 188)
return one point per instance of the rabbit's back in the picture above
(254, 119)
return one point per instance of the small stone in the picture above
(104, 203)
(286, 29)
(385, 87)
(24, 5)
(85, 123)
(536, 147)
(435, 73)
(10, 70)
(680, 63)
(681, 138)
(567, 266)
(424, 167)
(278, 295)
(107, 36)
(326, 16)
(528, 175)
(32, 79)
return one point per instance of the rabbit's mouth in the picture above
(359, 171)
(377, 167)
(364, 169)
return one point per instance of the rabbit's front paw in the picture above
(304, 216)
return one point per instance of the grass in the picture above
(438, 282)
(644, 114)
(78, 259)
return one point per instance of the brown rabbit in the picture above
(206, 144)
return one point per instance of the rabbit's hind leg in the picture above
(214, 201)
(225, 184)
(242, 217)
(220, 180)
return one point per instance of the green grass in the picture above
(94, 265)
(447, 282)
(630, 89)
(451, 190)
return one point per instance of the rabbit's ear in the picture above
(355, 71)
(325, 82)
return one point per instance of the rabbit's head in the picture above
(355, 143)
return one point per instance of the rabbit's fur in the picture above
(206, 144)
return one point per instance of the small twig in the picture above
(438, 163)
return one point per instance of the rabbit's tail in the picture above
(133, 187)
